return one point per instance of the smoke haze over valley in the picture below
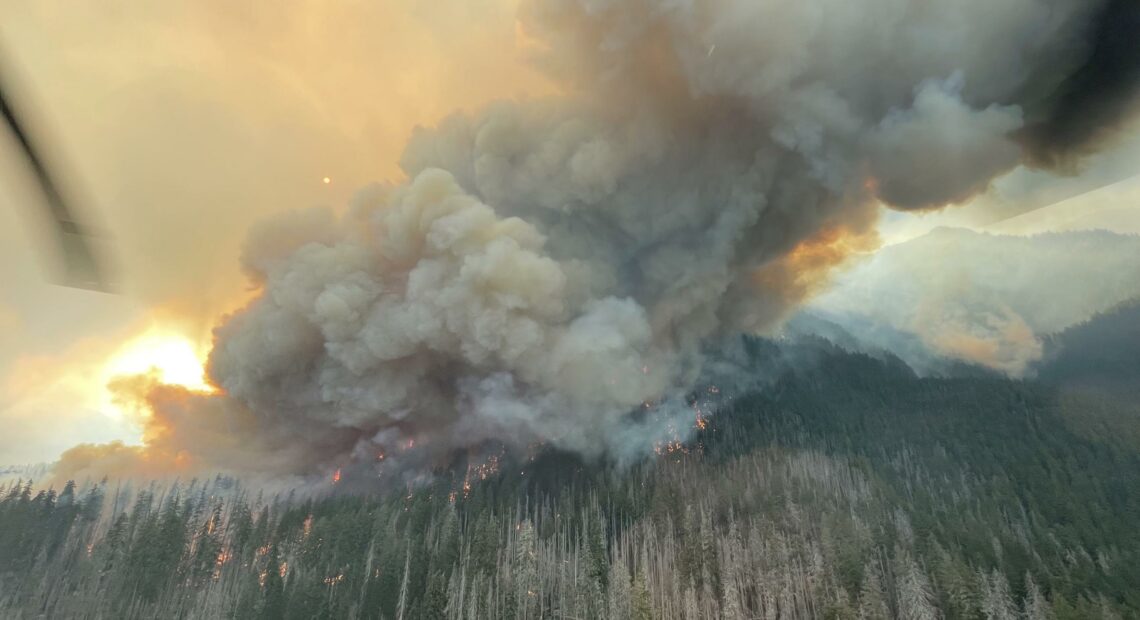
(981, 298)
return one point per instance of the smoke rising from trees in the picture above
(552, 265)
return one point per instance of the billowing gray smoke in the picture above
(552, 265)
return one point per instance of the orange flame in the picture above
(801, 272)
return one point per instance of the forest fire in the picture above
(282, 570)
(536, 271)
(670, 448)
(593, 312)
(478, 472)
(487, 468)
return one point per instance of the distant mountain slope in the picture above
(1095, 368)
(861, 334)
(981, 298)
(1102, 350)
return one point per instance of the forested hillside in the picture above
(1104, 350)
(843, 487)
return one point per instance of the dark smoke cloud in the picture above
(1096, 97)
(552, 265)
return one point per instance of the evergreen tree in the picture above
(872, 597)
(619, 589)
(273, 600)
(915, 597)
(640, 606)
(1035, 605)
(997, 600)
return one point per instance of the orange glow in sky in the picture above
(173, 357)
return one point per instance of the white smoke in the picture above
(428, 306)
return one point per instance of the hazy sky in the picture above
(184, 122)
(1104, 193)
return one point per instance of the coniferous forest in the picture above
(841, 486)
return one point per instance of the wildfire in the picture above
(478, 472)
(488, 468)
(669, 448)
(224, 556)
(701, 422)
(281, 570)
(336, 476)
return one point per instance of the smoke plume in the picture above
(550, 266)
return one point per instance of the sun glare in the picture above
(173, 357)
